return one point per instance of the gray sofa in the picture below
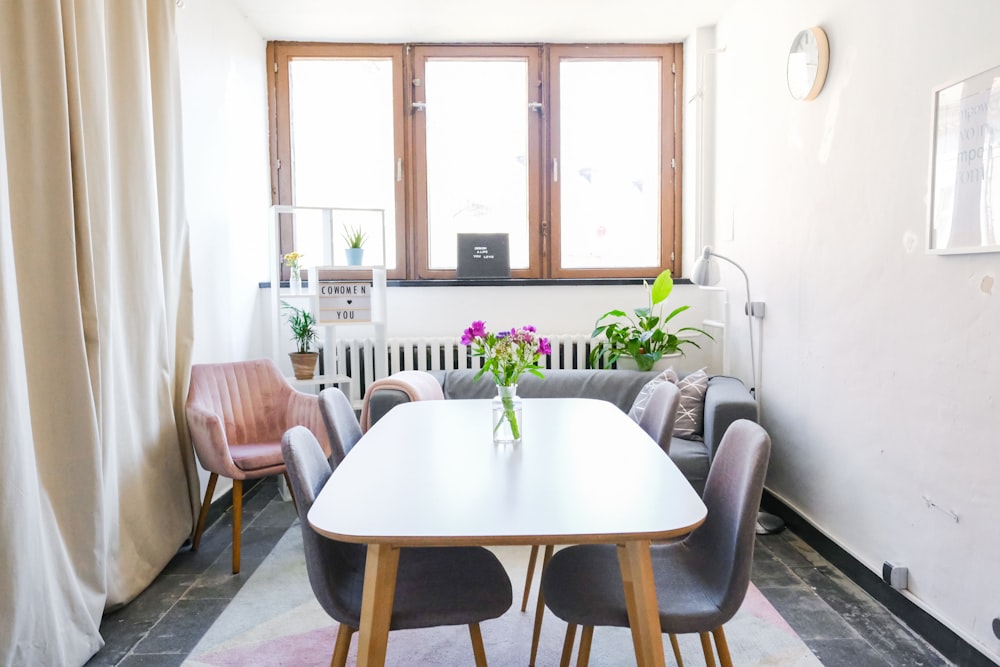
(726, 401)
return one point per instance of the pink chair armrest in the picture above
(303, 410)
(210, 443)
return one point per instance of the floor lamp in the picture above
(706, 272)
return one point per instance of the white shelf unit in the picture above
(316, 237)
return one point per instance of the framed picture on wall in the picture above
(965, 166)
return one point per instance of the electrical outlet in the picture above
(895, 575)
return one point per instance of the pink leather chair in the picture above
(237, 413)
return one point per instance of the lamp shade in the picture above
(706, 269)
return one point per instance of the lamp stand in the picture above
(769, 524)
(705, 274)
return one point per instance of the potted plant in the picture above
(355, 240)
(303, 325)
(644, 338)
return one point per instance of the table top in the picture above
(428, 473)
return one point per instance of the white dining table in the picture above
(429, 474)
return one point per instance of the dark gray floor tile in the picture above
(871, 620)
(152, 603)
(154, 660)
(181, 628)
(769, 571)
(791, 550)
(117, 644)
(809, 616)
(217, 539)
(277, 514)
(848, 653)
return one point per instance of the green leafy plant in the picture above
(643, 337)
(303, 325)
(354, 237)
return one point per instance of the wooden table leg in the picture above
(640, 596)
(376, 604)
(536, 633)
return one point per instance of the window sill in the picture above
(504, 282)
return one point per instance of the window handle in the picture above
(555, 170)
(418, 106)
(535, 106)
(399, 169)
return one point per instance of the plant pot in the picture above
(665, 362)
(304, 364)
(355, 256)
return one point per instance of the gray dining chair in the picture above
(657, 420)
(701, 581)
(342, 427)
(435, 586)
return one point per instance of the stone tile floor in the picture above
(837, 620)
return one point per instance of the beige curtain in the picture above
(95, 318)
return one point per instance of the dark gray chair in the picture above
(657, 420)
(700, 581)
(434, 586)
(342, 427)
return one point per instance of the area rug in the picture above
(275, 620)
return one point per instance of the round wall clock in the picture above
(808, 62)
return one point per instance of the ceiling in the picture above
(480, 21)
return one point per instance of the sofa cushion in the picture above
(640, 402)
(691, 457)
(690, 420)
(616, 386)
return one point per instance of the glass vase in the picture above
(295, 281)
(507, 416)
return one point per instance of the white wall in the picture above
(227, 179)
(880, 361)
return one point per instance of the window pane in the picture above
(342, 148)
(609, 173)
(477, 154)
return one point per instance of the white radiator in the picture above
(356, 357)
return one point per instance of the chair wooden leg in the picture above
(288, 482)
(237, 522)
(478, 650)
(531, 573)
(568, 645)
(706, 648)
(203, 514)
(539, 609)
(677, 650)
(342, 646)
(722, 647)
(586, 638)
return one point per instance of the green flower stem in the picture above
(510, 416)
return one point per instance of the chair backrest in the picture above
(658, 417)
(342, 426)
(336, 569)
(732, 494)
(246, 395)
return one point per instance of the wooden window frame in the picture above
(419, 58)
(410, 145)
(670, 67)
(279, 56)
